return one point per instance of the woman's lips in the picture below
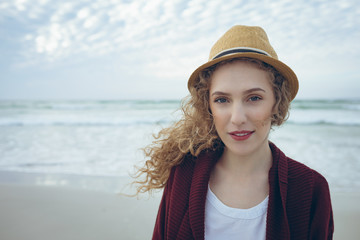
(241, 135)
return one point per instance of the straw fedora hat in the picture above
(250, 42)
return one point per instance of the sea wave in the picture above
(162, 122)
(88, 105)
(352, 105)
(350, 123)
(88, 123)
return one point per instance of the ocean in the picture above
(62, 140)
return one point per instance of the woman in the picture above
(221, 176)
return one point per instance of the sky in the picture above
(147, 49)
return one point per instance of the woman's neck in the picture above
(243, 166)
(242, 181)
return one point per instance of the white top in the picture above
(223, 222)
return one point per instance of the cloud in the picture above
(83, 27)
(169, 39)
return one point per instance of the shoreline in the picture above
(108, 184)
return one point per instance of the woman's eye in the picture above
(220, 100)
(254, 98)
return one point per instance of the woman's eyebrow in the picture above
(245, 92)
(220, 93)
(254, 90)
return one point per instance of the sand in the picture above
(51, 213)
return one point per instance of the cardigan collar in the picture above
(278, 181)
(198, 190)
(199, 186)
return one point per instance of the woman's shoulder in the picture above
(194, 166)
(298, 173)
(301, 174)
(297, 169)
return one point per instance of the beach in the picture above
(43, 213)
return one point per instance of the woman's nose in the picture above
(238, 114)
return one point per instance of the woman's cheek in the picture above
(262, 119)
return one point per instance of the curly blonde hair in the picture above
(195, 131)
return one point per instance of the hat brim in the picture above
(281, 67)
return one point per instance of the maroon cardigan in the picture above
(299, 200)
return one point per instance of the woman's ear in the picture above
(275, 108)
(274, 114)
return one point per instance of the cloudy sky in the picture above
(146, 49)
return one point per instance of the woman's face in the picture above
(241, 101)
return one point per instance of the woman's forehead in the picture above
(239, 75)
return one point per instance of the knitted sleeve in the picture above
(161, 219)
(322, 223)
